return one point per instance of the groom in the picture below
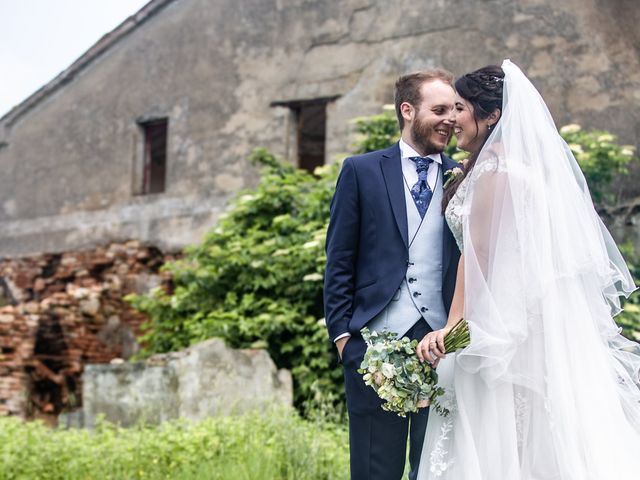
(391, 263)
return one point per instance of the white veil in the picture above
(548, 389)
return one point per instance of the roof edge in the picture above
(87, 58)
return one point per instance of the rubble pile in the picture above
(59, 312)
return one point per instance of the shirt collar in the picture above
(407, 151)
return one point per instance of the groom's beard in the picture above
(421, 134)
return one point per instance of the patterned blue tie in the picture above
(421, 192)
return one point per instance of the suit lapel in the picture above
(392, 173)
(448, 163)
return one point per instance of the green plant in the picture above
(376, 132)
(261, 445)
(256, 280)
(600, 158)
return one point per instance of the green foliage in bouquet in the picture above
(392, 368)
(256, 281)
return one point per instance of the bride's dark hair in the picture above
(483, 90)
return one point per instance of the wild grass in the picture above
(262, 445)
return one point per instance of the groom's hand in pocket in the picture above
(340, 343)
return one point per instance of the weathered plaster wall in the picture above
(69, 164)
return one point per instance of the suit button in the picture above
(416, 294)
(423, 309)
(411, 280)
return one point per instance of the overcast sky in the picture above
(40, 38)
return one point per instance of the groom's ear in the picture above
(407, 111)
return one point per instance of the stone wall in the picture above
(207, 379)
(71, 155)
(63, 311)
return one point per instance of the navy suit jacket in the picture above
(367, 241)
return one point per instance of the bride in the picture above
(548, 388)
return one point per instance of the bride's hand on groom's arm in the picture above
(431, 347)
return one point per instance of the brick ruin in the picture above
(59, 312)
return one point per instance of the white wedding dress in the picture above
(548, 388)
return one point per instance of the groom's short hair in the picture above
(408, 87)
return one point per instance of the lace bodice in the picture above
(455, 209)
(453, 212)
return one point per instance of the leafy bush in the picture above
(256, 280)
(600, 158)
(376, 132)
(271, 445)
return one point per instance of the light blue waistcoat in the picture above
(420, 294)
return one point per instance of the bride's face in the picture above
(469, 132)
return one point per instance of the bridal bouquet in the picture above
(392, 368)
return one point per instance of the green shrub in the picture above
(376, 132)
(271, 445)
(256, 281)
(600, 158)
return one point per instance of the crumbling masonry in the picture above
(60, 312)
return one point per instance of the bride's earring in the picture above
(490, 126)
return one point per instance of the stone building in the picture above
(146, 135)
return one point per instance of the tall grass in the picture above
(274, 445)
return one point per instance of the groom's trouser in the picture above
(378, 439)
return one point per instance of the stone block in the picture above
(208, 379)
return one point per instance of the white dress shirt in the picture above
(410, 175)
(409, 167)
